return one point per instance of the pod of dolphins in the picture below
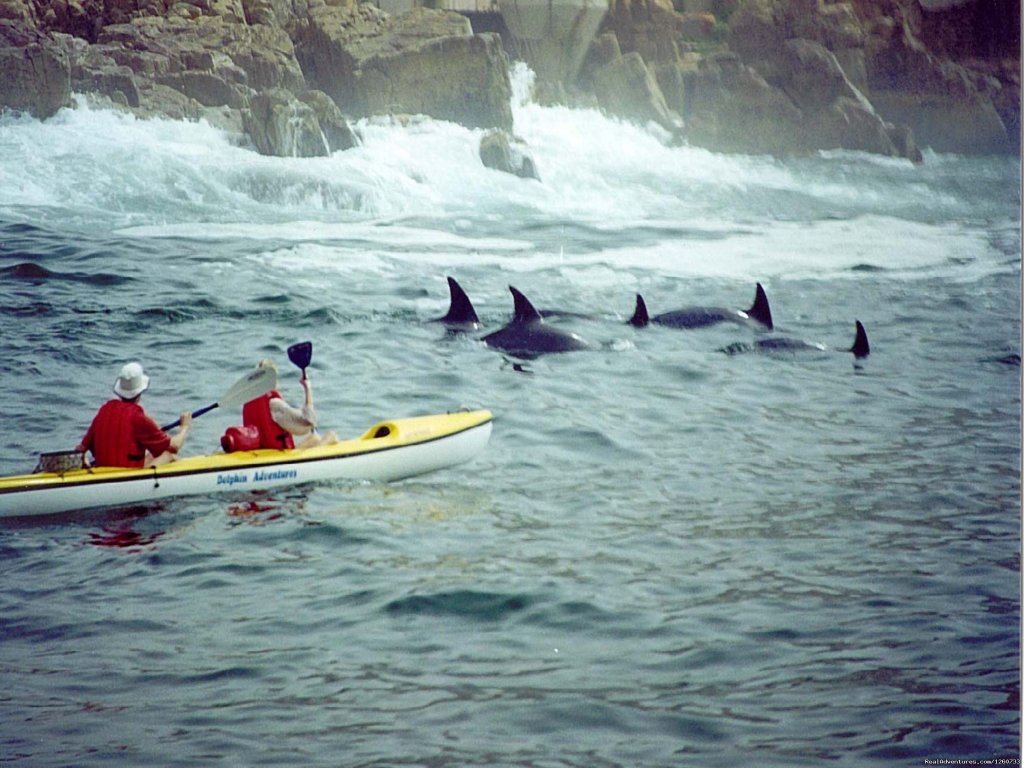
(527, 335)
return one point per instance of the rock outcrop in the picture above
(948, 106)
(279, 74)
(941, 103)
(785, 76)
(802, 101)
(627, 88)
(37, 77)
(422, 61)
(503, 152)
(765, 76)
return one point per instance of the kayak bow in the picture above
(389, 450)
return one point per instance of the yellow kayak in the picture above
(387, 451)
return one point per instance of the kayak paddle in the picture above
(249, 387)
(301, 354)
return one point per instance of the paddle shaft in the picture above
(247, 388)
(195, 414)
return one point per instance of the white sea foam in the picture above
(417, 191)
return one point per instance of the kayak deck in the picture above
(389, 450)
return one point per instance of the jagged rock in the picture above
(424, 80)
(335, 127)
(267, 55)
(256, 57)
(79, 18)
(95, 70)
(36, 79)
(194, 58)
(17, 14)
(731, 108)
(652, 28)
(626, 88)
(804, 102)
(697, 26)
(422, 61)
(972, 127)
(502, 152)
(672, 82)
(759, 28)
(604, 50)
(809, 74)
(114, 81)
(876, 46)
(949, 107)
(326, 47)
(157, 100)
(281, 125)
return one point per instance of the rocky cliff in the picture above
(771, 76)
(282, 75)
(782, 76)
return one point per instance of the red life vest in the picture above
(114, 441)
(256, 413)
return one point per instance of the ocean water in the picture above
(666, 556)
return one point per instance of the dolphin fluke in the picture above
(640, 318)
(524, 311)
(860, 347)
(460, 311)
(761, 310)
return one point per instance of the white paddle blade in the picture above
(249, 387)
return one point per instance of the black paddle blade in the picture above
(300, 354)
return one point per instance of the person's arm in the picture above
(87, 441)
(155, 440)
(296, 421)
(307, 407)
(178, 440)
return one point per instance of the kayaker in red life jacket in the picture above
(280, 423)
(123, 435)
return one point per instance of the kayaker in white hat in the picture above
(122, 434)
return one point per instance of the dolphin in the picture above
(527, 335)
(860, 349)
(702, 317)
(461, 314)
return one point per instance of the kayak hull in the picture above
(388, 451)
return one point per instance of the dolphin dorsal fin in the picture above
(640, 318)
(461, 308)
(525, 312)
(860, 347)
(761, 310)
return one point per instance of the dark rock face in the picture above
(790, 76)
(949, 105)
(862, 79)
(763, 76)
(626, 87)
(249, 65)
(37, 76)
(422, 61)
(732, 108)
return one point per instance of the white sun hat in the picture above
(132, 382)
